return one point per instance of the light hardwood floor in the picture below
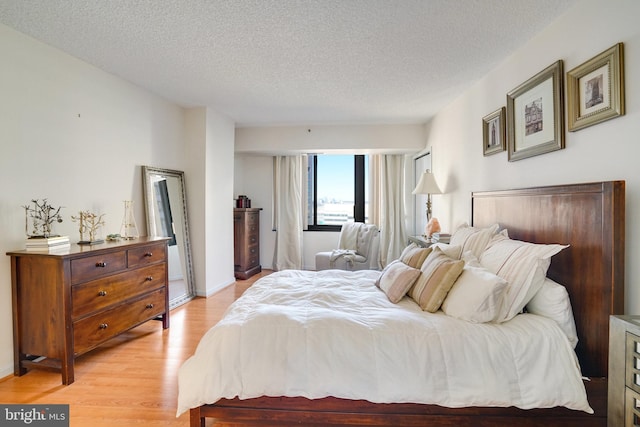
(132, 379)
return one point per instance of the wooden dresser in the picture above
(67, 303)
(246, 242)
(624, 371)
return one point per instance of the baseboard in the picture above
(6, 371)
(215, 289)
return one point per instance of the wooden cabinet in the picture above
(624, 371)
(68, 303)
(246, 241)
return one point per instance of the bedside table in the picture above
(421, 241)
(624, 371)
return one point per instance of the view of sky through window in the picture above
(335, 185)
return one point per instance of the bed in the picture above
(587, 217)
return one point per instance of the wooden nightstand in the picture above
(624, 371)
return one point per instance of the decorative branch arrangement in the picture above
(42, 216)
(90, 223)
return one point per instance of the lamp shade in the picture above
(427, 185)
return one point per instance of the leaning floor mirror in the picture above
(166, 209)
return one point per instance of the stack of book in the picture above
(48, 244)
(441, 237)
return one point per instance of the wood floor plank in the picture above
(132, 379)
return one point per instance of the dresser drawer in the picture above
(93, 267)
(98, 294)
(146, 255)
(94, 330)
(253, 256)
(253, 238)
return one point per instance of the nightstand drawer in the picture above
(93, 267)
(632, 408)
(632, 377)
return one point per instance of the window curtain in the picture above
(387, 211)
(289, 210)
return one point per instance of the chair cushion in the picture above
(365, 237)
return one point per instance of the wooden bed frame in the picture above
(591, 218)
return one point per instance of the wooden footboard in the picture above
(271, 411)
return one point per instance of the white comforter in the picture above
(334, 333)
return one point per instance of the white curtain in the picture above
(289, 210)
(386, 208)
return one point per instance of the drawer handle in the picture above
(102, 293)
(148, 254)
(101, 264)
(104, 325)
(149, 306)
(149, 278)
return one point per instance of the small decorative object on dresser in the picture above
(69, 302)
(624, 371)
(39, 218)
(89, 227)
(129, 229)
(246, 241)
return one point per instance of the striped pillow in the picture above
(414, 255)
(473, 239)
(396, 279)
(523, 265)
(438, 274)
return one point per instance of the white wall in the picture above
(253, 167)
(607, 151)
(330, 139)
(78, 136)
(218, 199)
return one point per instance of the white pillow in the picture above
(473, 239)
(477, 296)
(552, 301)
(452, 251)
(523, 265)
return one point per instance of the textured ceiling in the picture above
(287, 62)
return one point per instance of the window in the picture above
(337, 190)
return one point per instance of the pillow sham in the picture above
(396, 279)
(452, 251)
(523, 265)
(414, 255)
(477, 296)
(552, 301)
(437, 274)
(472, 238)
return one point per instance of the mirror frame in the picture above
(147, 173)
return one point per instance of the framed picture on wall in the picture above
(493, 132)
(535, 114)
(595, 89)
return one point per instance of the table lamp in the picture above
(427, 185)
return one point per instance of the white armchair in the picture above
(358, 249)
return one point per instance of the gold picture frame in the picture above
(535, 114)
(595, 89)
(494, 132)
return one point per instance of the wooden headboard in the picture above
(589, 217)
